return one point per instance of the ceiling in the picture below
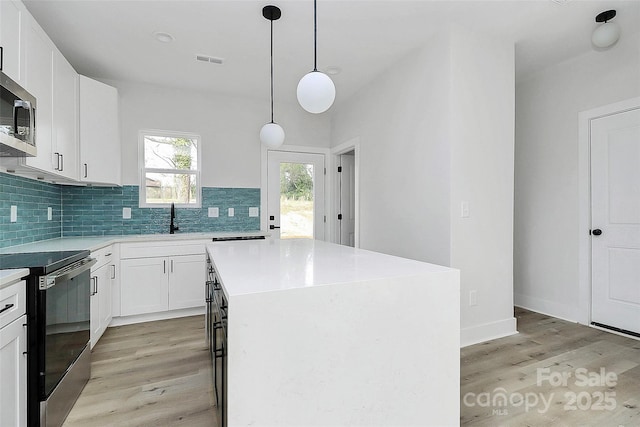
(114, 39)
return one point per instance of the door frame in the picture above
(264, 185)
(584, 198)
(350, 145)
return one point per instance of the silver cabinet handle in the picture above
(172, 266)
(57, 161)
(113, 271)
(61, 162)
(164, 266)
(94, 279)
(86, 170)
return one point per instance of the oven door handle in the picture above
(47, 282)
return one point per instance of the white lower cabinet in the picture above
(103, 275)
(144, 286)
(157, 284)
(186, 278)
(13, 373)
(160, 277)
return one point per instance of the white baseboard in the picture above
(549, 308)
(488, 331)
(152, 317)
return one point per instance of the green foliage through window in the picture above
(170, 169)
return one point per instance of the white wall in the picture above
(436, 129)
(229, 128)
(547, 197)
(401, 120)
(482, 150)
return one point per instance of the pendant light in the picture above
(272, 134)
(605, 35)
(316, 91)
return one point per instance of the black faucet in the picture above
(172, 227)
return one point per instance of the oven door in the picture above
(64, 305)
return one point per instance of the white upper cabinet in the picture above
(65, 117)
(99, 133)
(39, 82)
(12, 14)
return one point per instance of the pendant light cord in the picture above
(271, 71)
(315, 37)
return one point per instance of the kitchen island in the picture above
(327, 335)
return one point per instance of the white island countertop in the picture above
(277, 265)
(328, 335)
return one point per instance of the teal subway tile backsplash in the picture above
(32, 199)
(97, 211)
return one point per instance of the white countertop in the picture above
(7, 277)
(275, 265)
(95, 243)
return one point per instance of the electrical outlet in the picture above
(49, 214)
(231, 211)
(213, 212)
(14, 213)
(126, 213)
(473, 298)
(254, 212)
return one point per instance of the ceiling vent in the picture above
(212, 59)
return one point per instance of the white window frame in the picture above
(143, 170)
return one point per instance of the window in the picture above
(170, 171)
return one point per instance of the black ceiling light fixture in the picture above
(606, 34)
(272, 134)
(316, 91)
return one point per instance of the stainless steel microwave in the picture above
(17, 120)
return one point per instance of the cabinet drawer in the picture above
(103, 256)
(160, 249)
(13, 302)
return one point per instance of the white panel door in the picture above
(295, 199)
(615, 198)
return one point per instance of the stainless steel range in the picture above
(58, 331)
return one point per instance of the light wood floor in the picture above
(158, 374)
(149, 374)
(510, 366)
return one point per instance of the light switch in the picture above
(253, 212)
(232, 211)
(126, 213)
(14, 213)
(49, 214)
(464, 210)
(213, 212)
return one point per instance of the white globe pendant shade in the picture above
(316, 92)
(272, 135)
(605, 35)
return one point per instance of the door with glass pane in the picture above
(295, 200)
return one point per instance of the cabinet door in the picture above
(95, 309)
(13, 374)
(101, 304)
(186, 281)
(143, 286)
(105, 294)
(99, 133)
(65, 114)
(39, 82)
(11, 15)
